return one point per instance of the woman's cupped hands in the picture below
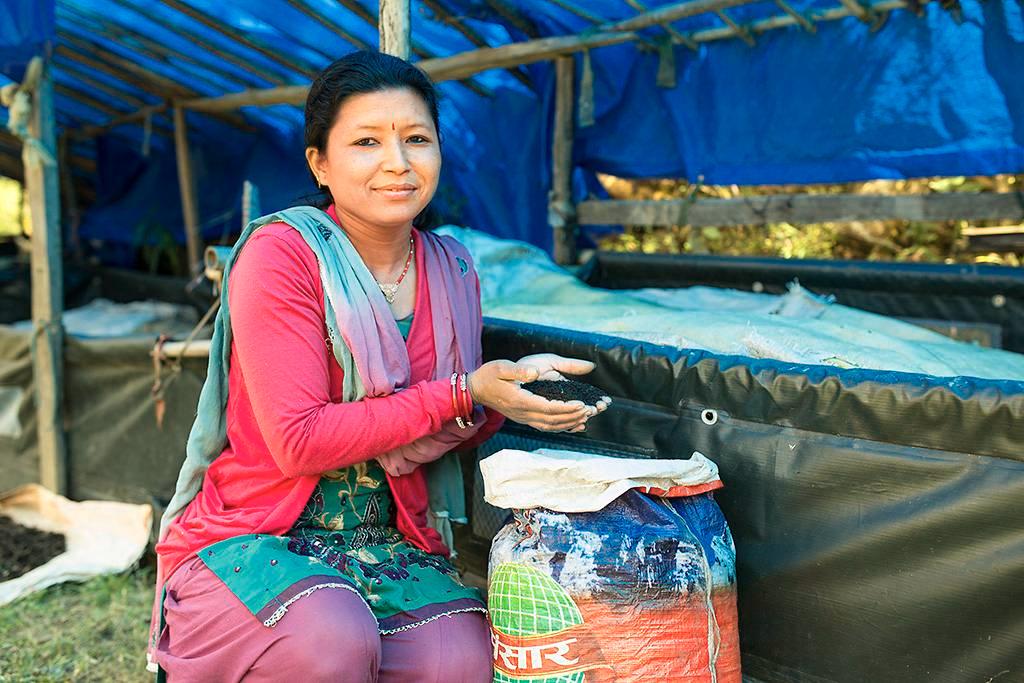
(498, 385)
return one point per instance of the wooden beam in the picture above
(72, 70)
(359, 43)
(225, 55)
(395, 27)
(561, 209)
(858, 10)
(116, 114)
(186, 184)
(71, 208)
(806, 23)
(579, 12)
(290, 94)
(596, 20)
(468, 63)
(442, 14)
(670, 13)
(740, 32)
(676, 36)
(237, 36)
(798, 209)
(94, 56)
(139, 44)
(512, 15)
(86, 99)
(42, 186)
(777, 22)
(158, 53)
(86, 132)
(364, 14)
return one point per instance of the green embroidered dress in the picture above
(344, 539)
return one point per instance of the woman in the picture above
(345, 364)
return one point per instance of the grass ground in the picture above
(92, 632)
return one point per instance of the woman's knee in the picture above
(452, 649)
(329, 635)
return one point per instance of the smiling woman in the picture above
(344, 370)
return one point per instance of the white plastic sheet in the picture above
(102, 537)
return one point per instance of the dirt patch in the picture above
(23, 548)
(566, 390)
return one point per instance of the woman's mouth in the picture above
(400, 191)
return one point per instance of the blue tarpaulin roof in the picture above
(940, 93)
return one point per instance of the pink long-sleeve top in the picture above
(286, 423)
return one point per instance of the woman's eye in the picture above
(365, 142)
(418, 139)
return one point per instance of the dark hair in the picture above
(355, 74)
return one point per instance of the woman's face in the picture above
(383, 158)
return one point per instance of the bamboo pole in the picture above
(86, 132)
(96, 57)
(395, 27)
(442, 13)
(186, 183)
(67, 186)
(468, 63)
(561, 209)
(677, 37)
(260, 74)
(235, 36)
(816, 208)
(43, 188)
(370, 19)
(80, 22)
(348, 37)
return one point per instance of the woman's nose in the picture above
(395, 159)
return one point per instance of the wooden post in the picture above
(42, 185)
(395, 28)
(186, 183)
(561, 210)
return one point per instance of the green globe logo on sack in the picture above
(537, 631)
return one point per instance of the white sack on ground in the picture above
(567, 481)
(102, 537)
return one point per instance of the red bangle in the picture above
(467, 400)
(455, 401)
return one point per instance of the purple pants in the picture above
(329, 635)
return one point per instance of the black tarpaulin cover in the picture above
(878, 517)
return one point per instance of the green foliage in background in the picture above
(11, 213)
(868, 240)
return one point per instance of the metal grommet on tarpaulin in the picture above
(709, 416)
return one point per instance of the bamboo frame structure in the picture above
(819, 208)
(186, 183)
(395, 24)
(561, 209)
(42, 186)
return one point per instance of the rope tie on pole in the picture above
(18, 99)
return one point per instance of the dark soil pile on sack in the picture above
(23, 548)
(566, 390)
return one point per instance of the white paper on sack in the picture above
(569, 481)
(101, 537)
